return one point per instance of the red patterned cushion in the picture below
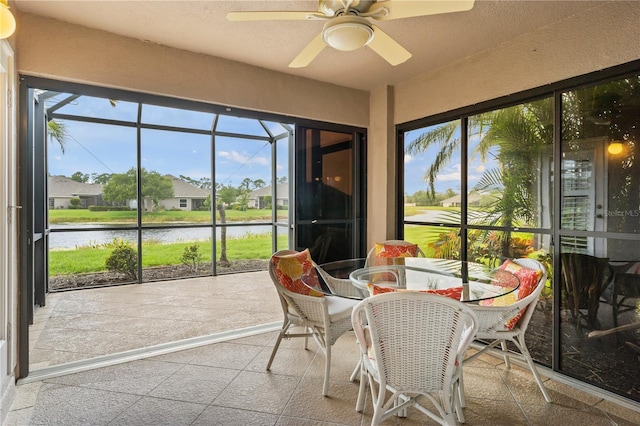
(453, 292)
(392, 254)
(529, 279)
(386, 253)
(290, 268)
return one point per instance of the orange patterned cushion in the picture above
(290, 268)
(385, 253)
(453, 292)
(392, 254)
(528, 281)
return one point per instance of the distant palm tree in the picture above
(56, 130)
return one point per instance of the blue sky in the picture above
(101, 148)
(416, 167)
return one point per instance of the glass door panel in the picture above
(329, 197)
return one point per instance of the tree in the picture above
(204, 182)
(80, 177)
(521, 133)
(102, 178)
(226, 195)
(57, 131)
(122, 187)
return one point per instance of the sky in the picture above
(103, 148)
(416, 166)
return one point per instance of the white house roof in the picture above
(182, 189)
(62, 186)
(282, 189)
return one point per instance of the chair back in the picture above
(585, 279)
(417, 338)
(307, 308)
(371, 256)
(531, 300)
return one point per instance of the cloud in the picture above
(57, 158)
(407, 158)
(237, 157)
(452, 173)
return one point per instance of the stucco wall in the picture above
(58, 50)
(598, 38)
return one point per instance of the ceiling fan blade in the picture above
(388, 48)
(309, 53)
(269, 16)
(410, 8)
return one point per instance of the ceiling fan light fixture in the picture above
(347, 33)
(7, 21)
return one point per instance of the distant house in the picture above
(62, 189)
(455, 201)
(258, 198)
(185, 196)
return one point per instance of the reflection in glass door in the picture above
(599, 330)
(330, 194)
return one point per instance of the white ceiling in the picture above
(201, 26)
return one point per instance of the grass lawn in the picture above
(92, 259)
(86, 216)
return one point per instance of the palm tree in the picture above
(521, 134)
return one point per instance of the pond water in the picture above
(71, 240)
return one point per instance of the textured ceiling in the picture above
(201, 26)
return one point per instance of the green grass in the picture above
(87, 259)
(87, 216)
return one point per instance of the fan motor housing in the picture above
(333, 7)
(347, 33)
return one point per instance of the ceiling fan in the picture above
(348, 27)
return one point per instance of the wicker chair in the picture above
(323, 318)
(492, 326)
(411, 344)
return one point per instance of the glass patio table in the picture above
(465, 281)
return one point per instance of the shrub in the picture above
(109, 208)
(74, 203)
(191, 257)
(123, 259)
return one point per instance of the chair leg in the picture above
(458, 399)
(283, 332)
(460, 387)
(505, 353)
(527, 356)
(361, 389)
(327, 367)
(356, 371)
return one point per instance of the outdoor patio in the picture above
(224, 381)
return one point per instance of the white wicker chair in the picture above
(417, 340)
(324, 318)
(492, 325)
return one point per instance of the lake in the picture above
(71, 240)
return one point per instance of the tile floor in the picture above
(226, 383)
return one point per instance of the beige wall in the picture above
(598, 38)
(58, 50)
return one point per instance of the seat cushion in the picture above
(453, 292)
(529, 279)
(340, 307)
(290, 268)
